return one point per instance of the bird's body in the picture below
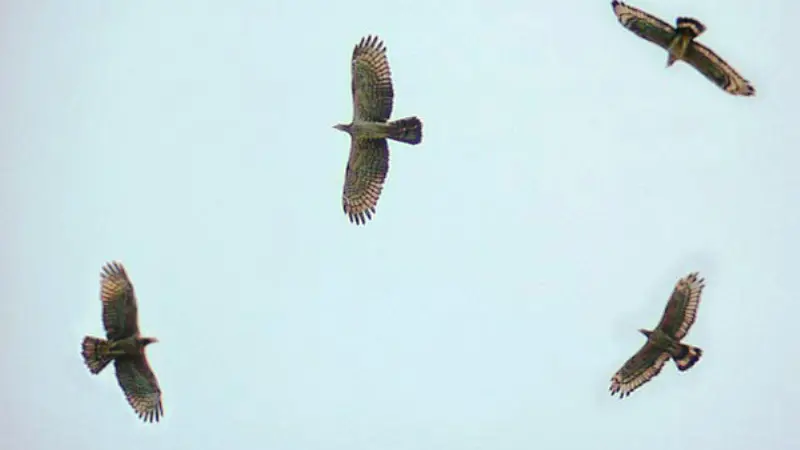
(686, 30)
(680, 44)
(664, 342)
(124, 345)
(373, 96)
(677, 48)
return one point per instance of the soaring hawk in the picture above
(369, 153)
(664, 342)
(125, 346)
(681, 44)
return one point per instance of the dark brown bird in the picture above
(373, 97)
(681, 45)
(124, 345)
(664, 343)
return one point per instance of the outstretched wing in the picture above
(638, 370)
(140, 387)
(717, 70)
(681, 310)
(119, 302)
(363, 181)
(644, 25)
(371, 81)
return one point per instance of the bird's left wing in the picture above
(119, 302)
(717, 70)
(363, 182)
(638, 370)
(644, 25)
(371, 81)
(140, 386)
(681, 309)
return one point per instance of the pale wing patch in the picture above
(638, 370)
(366, 172)
(717, 70)
(371, 81)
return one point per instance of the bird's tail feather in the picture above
(96, 353)
(687, 356)
(692, 26)
(408, 130)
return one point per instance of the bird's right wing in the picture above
(371, 81)
(681, 309)
(638, 370)
(644, 25)
(119, 302)
(140, 386)
(363, 181)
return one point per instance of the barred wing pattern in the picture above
(371, 82)
(364, 177)
(119, 302)
(638, 370)
(681, 310)
(140, 387)
(717, 70)
(644, 25)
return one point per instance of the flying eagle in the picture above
(369, 152)
(664, 342)
(681, 44)
(124, 345)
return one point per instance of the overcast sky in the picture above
(565, 181)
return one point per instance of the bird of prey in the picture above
(368, 163)
(664, 342)
(124, 345)
(680, 43)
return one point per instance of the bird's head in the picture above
(341, 127)
(645, 332)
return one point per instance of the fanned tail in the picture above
(687, 356)
(408, 130)
(96, 353)
(692, 27)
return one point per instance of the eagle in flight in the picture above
(680, 43)
(124, 345)
(664, 342)
(368, 163)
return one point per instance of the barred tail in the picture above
(408, 130)
(692, 27)
(687, 356)
(96, 353)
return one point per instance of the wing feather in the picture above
(119, 302)
(644, 25)
(364, 177)
(638, 370)
(371, 81)
(717, 70)
(681, 309)
(140, 386)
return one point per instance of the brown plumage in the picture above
(663, 343)
(681, 45)
(124, 345)
(373, 96)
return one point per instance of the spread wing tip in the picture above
(113, 268)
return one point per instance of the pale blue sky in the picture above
(566, 180)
